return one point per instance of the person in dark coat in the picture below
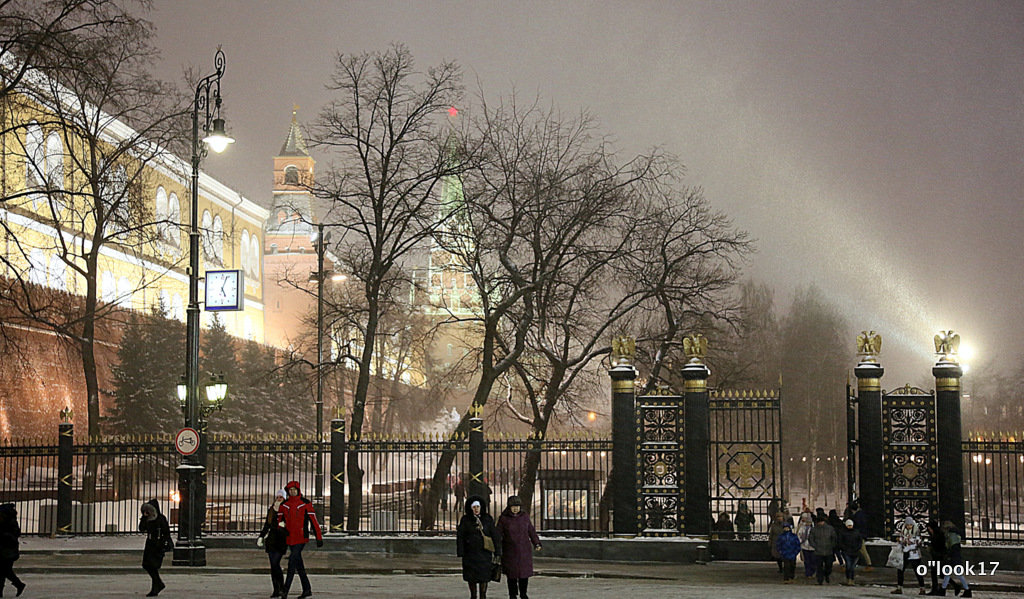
(837, 524)
(297, 516)
(9, 533)
(824, 540)
(724, 527)
(158, 541)
(937, 549)
(774, 530)
(744, 521)
(954, 557)
(788, 546)
(274, 539)
(478, 543)
(850, 541)
(518, 540)
(860, 523)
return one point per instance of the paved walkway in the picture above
(108, 567)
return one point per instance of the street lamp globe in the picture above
(218, 139)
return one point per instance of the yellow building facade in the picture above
(48, 227)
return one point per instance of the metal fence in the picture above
(993, 483)
(244, 473)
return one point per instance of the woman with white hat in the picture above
(274, 539)
(908, 535)
(478, 543)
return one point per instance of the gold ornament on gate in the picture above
(695, 348)
(869, 345)
(947, 345)
(623, 350)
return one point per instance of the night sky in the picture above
(872, 148)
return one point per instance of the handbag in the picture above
(168, 544)
(496, 571)
(488, 543)
(895, 557)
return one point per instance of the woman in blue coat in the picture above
(788, 546)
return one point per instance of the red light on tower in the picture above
(453, 111)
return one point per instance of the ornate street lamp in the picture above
(190, 549)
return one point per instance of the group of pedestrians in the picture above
(943, 545)
(819, 540)
(489, 549)
(286, 529)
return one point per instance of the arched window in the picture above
(218, 239)
(243, 250)
(108, 287)
(58, 273)
(173, 219)
(113, 198)
(178, 308)
(254, 257)
(124, 292)
(37, 267)
(291, 175)
(54, 161)
(207, 233)
(161, 211)
(34, 174)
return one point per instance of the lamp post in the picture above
(190, 550)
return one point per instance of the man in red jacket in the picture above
(296, 514)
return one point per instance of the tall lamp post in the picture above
(190, 549)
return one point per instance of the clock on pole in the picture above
(225, 290)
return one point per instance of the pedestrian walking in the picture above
(724, 527)
(860, 522)
(954, 558)
(909, 538)
(478, 542)
(518, 541)
(850, 542)
(9, 553)
(774, 530)
(788, 546)
(837, 524)
(158, 542)
(936, 545)
(274, 540)
(744, 521)
(803, 532)
(824, 540)
(298, 516)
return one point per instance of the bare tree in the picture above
(384, 133)
(35, 34)
(90, 125)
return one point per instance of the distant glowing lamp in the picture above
(591, 416)
(175, 496)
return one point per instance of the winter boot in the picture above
(897, 591)
(967, 593)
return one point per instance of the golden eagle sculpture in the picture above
(869, 345)
(947, 345)
(695, 348)
(623, 350)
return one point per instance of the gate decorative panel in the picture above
(746, 460)
(908, 455)
(660, 465)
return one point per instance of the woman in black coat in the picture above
(479, 545)
(9, 533)
(274, 539)
(158, 541)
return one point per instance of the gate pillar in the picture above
(337, 512)
(869, 432)
(624, 444)
(697, 436)
(65, 472)
(477, 485)
(948, 430)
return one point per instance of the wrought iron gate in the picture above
(746, 451)
(660, 465)
(908, 455)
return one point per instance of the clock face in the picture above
(223, 290)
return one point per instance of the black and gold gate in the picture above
(660, 465)
(908, 455)
(746, 451)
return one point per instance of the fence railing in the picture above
(243, 474)
(994, 490)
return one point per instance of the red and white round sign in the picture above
(187, 441)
